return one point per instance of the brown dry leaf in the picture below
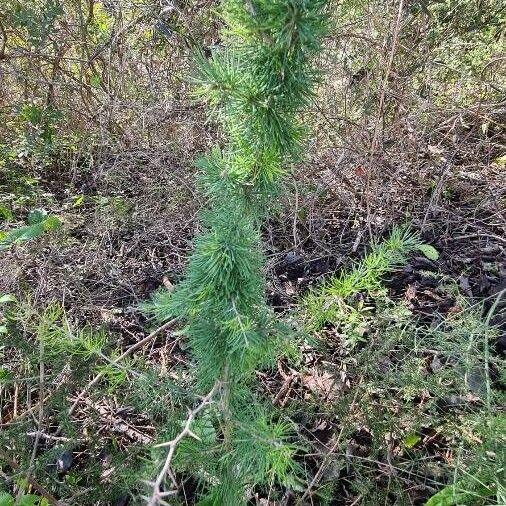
(110, 315)
(322, 383)
(454, 310)
(289, 289)
(434, 150)
(167, 284)
(410, 294)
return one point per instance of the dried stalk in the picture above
(157, 497)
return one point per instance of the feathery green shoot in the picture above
(255, 88)
(330, 303)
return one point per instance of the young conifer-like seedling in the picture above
(256, 87)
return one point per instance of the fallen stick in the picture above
(127, 352)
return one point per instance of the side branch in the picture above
(157, 497)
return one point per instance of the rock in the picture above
(64, 462)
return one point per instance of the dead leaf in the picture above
(167, 284)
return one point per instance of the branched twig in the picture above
(39, 421)
(157, 497)
(378, 130)
(381, 108)
(50, 437)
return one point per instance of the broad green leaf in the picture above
(501, 161)
(6, 499)
(8, 297)
(462, 493)
(411, 440)
(446, 497)
(78, 200)
(6, 214)
(22, 234)
(30, 232)
(29, 500)
(38, 221)
(429, 251)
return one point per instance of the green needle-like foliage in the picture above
(258, 85)
(222, 296)
(330, 304)
(256, 88)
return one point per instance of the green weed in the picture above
(430, 404)
(339, 301)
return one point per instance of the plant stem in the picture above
(227, 414)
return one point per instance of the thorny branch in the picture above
(157, 497)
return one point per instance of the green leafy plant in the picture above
(25, 500)
(37, 19)
(464, 492)
(60, 337)
(38, 222)
(72, 354)
(340, 302)
(420, 384)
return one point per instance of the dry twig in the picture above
(328, 456)
(157, 497)
(118, 359)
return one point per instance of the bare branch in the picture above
(158, 495)
(3, 45)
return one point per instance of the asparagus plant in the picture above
(256, 86)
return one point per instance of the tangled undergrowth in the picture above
(410, 408)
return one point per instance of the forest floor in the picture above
(101, 130)
(128, 223)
